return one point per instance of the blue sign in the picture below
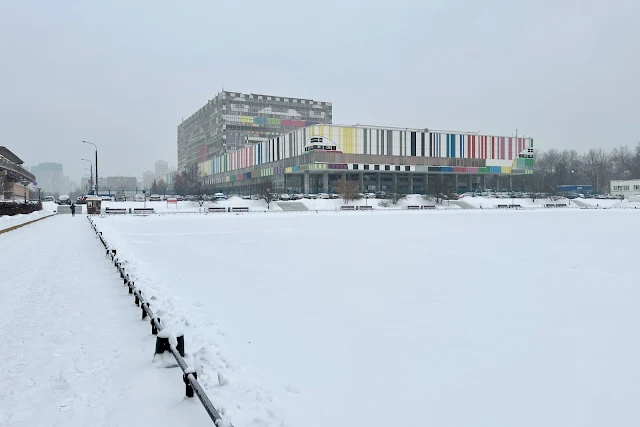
(35, 184)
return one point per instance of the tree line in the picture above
(596, 167)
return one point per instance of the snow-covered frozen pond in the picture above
(450, 318)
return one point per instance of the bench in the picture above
(238, 209)
(347, 208)
(561, 205)
(217, 210)
(428, 207)
(515, 206)
(110, 211)
(549, 205)
(365, 208)
(413, 207)
(502, 206)
(143, 211)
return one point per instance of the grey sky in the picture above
(123, 73)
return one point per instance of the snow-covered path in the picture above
(74, 351)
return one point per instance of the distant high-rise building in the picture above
(162, 168)
(232, 120)
(120, 184)
(147, 179)
(50, 177)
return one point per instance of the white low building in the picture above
(626, 188)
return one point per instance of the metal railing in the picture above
(190, 376)
(10, 166)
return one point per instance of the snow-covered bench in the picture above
(428, 207)
(143, 211)
(365, 208)
(111, 211)
(413, 207)
(347, 208)
(217, 210)
(238, 209)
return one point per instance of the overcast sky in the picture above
(123, 73)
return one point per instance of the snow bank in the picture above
(450, 318)
(11, 221)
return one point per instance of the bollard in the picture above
(137, 300)
(154, 327)
(187, 382)
(145, 307)
(162, 345)
(130, 287)
(180, 346)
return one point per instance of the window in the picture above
(397, 168)
(376, 167)
(355, 166)
(366, 167)
(387, 167)
(407, 168)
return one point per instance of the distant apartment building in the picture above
(162, 168)
(147, 179)
(232, 120)
(117, 184)
(50, 178)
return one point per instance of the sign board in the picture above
(35, 184)
(172, 200)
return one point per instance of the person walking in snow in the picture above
(73, 209)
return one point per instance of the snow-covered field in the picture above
(448, 318)
(74, 351)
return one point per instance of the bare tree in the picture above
(348, 190)
(265, 192)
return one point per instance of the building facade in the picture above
(233, 120)
(313, 159)
(117, 184)
(14, 179)
(625, 188)
(50, 178)
(161, 168)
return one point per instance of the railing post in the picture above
(187, 381)
(180, 345)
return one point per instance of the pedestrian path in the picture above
(74, 351)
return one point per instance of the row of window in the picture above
(386, 167)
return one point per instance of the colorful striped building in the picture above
(314, 158)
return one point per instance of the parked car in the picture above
(335, 196)
(324, 196)
(179, 198)
(49, 199)
(311, 196)
(219, 196)
(139, 198)
(381, 195)
(285, 197)
(155, 198)
(106, 198)
(64, 200)
(370, 195)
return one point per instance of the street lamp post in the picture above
(90, 173)
(97, 176)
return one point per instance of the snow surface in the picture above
(7, 221)
(447, 318)
(74, 351)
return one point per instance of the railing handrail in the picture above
(189, 373)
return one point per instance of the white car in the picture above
(155, 198)
(139, 198)
(106, 198)
(370, 195)
(219, 196)
(49, 199)
(324, 196)
(285, 196)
